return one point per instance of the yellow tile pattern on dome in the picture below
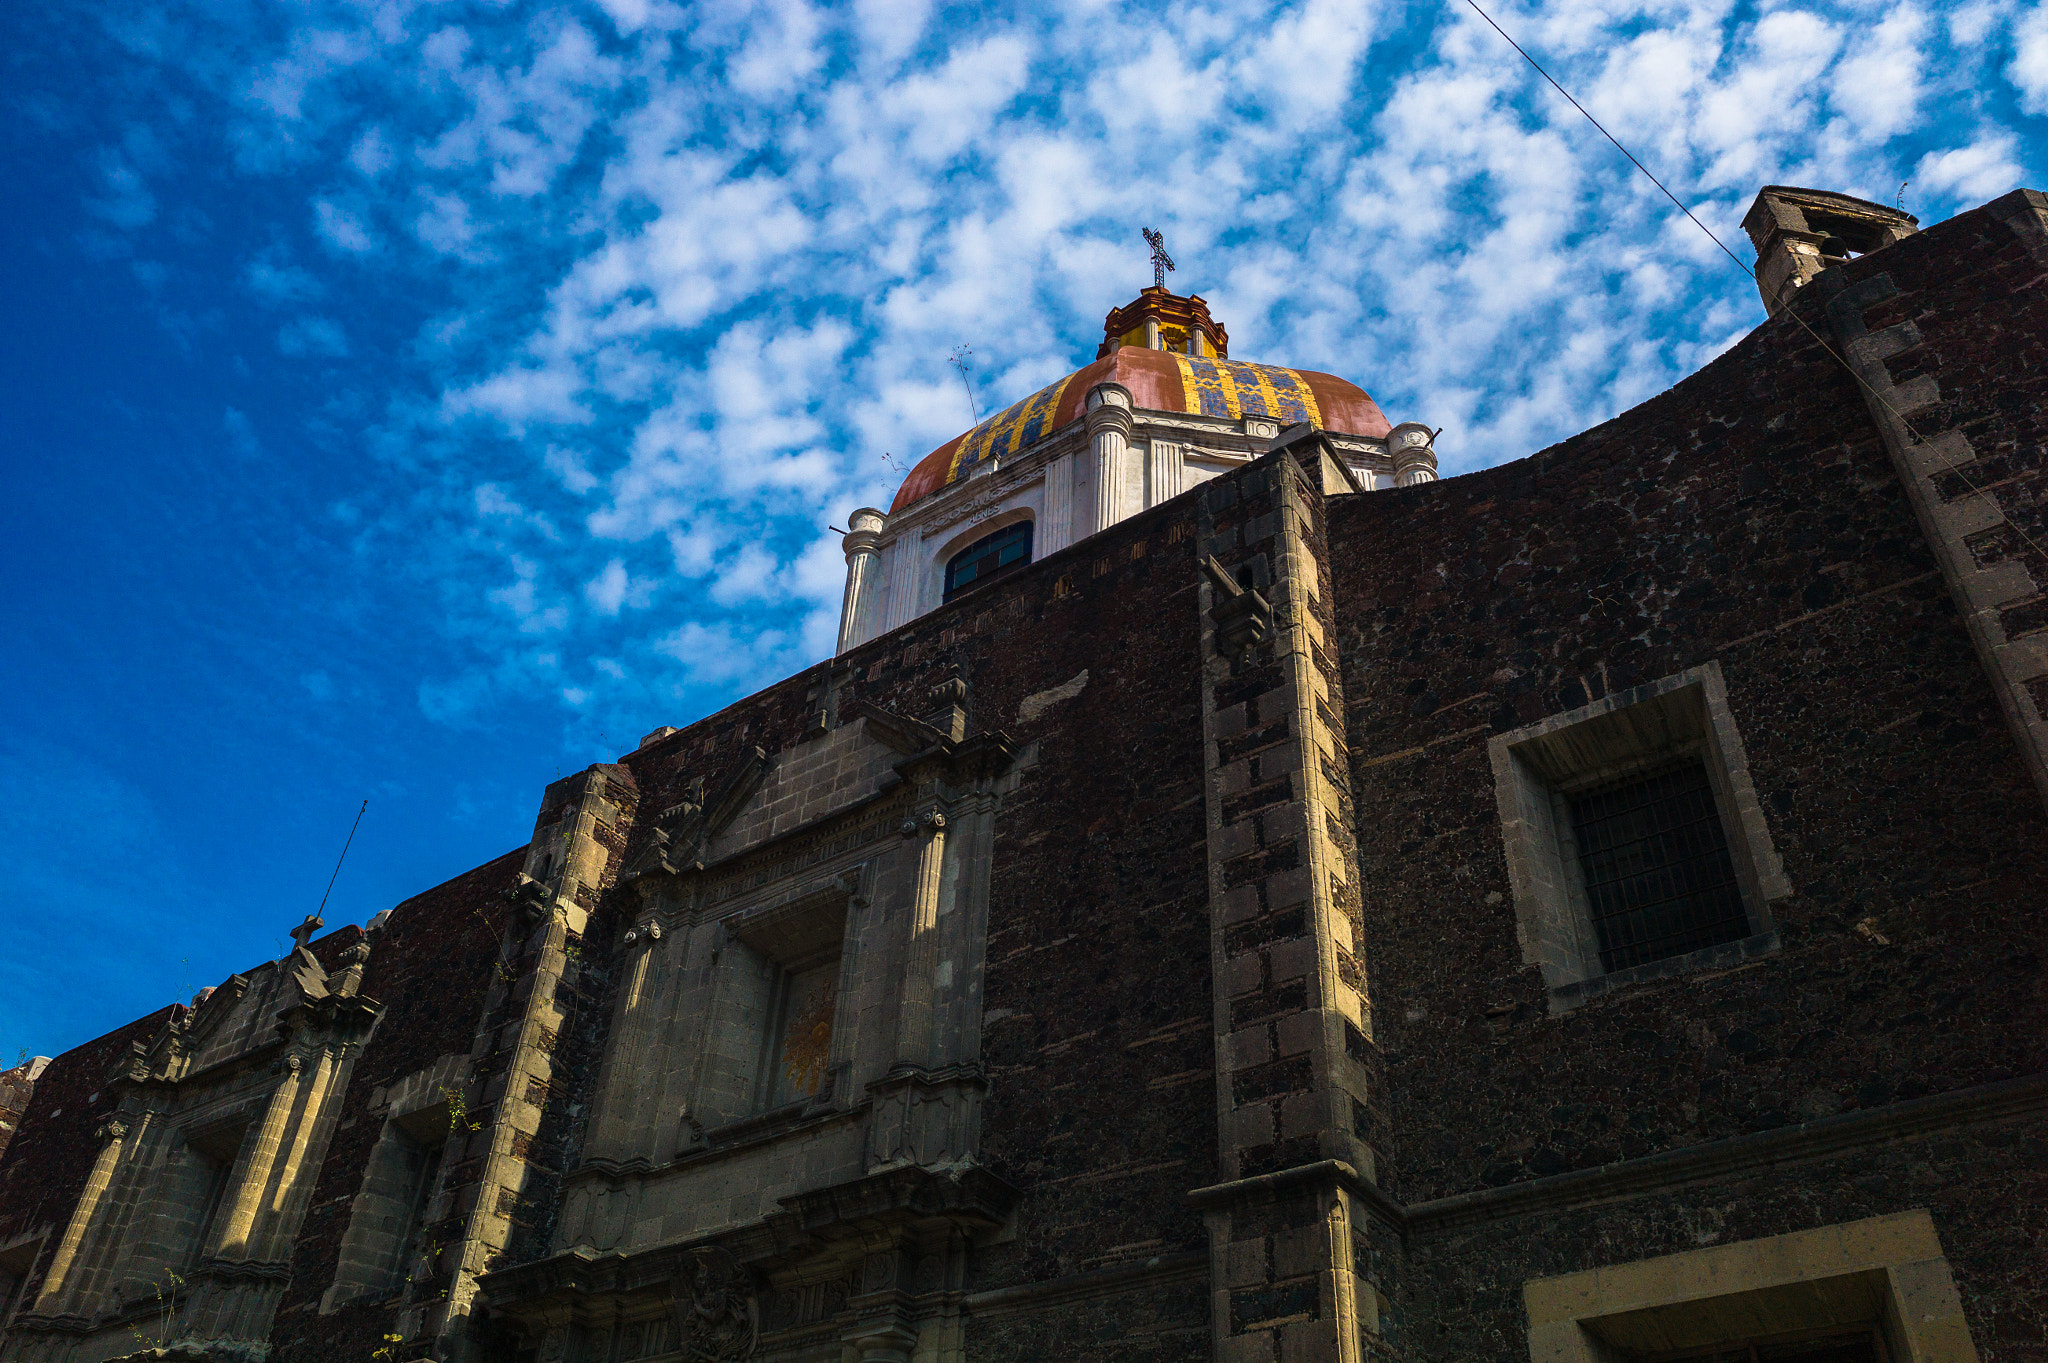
(1233, 389)
(1009, 430)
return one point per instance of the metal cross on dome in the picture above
(1161, 262)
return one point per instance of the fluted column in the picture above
(1414, 455)
(112, 1133)
(252, 1175)
(921, 956)
(904, 564)
(1057, 532)
(1162, 472)
(863, 545)
(292, 1181)
(1109, 430)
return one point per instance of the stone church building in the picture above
(1231, 897)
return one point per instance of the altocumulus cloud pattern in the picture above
(697, 267)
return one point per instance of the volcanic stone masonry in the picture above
(1587, 909)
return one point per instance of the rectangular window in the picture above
(1870, 1291)
(793, 958)
(1657, 875)
(1636, 845)
(15, 1264)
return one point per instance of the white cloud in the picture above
(693, 270)
(1981, 170)
(533, 607)
(2029, 69)
(444, 224)
(281, 283)
(614, 589)
(241, 434)
(372, 153)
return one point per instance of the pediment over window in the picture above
(819, 778)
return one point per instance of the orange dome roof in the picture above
(1159, 381)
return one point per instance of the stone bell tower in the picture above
(1800, 232)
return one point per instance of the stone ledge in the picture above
(1187, 1265)
(1736, 1155)
(1329, 1170)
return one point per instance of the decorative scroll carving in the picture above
(685, 830)
(716, 1311)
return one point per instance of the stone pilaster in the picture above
(582, 823)
(1297, 1069)
(921, 953)
(1056, 531)
(251, 1176)
(1109, 435)
(1163, 468)
(113, 1135)
(905, 565)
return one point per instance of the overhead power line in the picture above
(1837, 356)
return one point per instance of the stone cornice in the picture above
(1184, 1266)
(895, 1202)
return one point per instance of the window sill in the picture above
(1565, 997)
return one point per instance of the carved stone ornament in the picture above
(684, 831)
(112, 1129)
(717, 1316)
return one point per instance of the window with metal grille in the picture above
(1655, 863)
(982, 560)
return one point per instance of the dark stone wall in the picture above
(1749, 515)
(1983, 1187)
(1098, 1040)
(1098, 1033)
(44, 1168)
(16, 1088)
(431, 968)
(1973, 286)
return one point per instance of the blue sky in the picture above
(418, 401)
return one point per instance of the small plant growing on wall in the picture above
(458, 1112)
(165, 1314)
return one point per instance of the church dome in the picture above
(1162, 381)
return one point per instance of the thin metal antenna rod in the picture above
(340, 859)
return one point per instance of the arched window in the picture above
(987, 557)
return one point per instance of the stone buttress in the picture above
(1300, 1242)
